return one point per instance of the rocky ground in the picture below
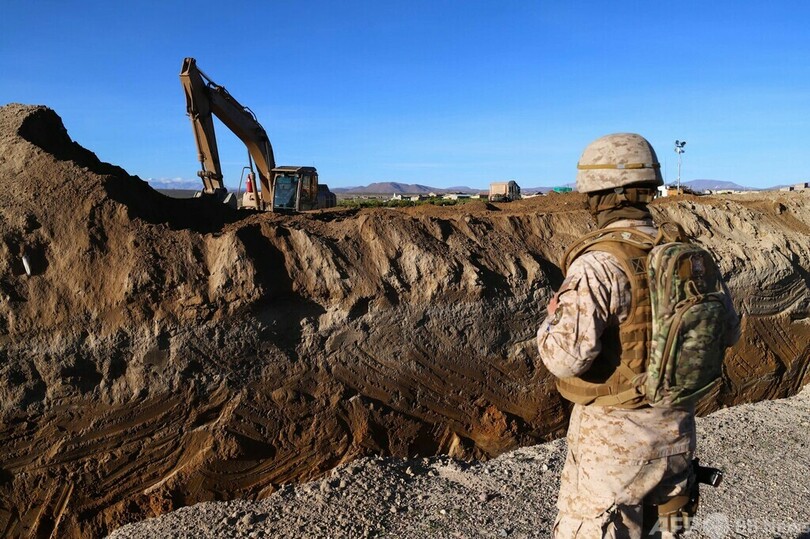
(156, 353)
(763, 448)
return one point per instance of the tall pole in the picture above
(679, 173)
(679, 144)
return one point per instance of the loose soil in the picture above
(514, 495)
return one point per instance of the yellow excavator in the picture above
(284, 189)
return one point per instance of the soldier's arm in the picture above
(569, 339)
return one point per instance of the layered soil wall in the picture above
(163, 352)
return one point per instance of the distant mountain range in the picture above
(179, 185)
(702, 185)
(395, 188)
(175, 183)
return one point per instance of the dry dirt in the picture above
(165, 352)
(514, 495)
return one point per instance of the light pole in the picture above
(679, 144)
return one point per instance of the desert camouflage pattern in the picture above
(618, 149)
(618, 458)
(603, 495)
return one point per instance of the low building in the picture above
(672, 190)
(412, 198)
(504, 191)
(456, 196)
(801, 186)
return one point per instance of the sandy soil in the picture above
(165, 352)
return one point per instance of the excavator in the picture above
(283, 189)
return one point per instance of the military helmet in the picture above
(617, 160)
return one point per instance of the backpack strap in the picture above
(669, 232)
(628, 235)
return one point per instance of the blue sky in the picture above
(434, 92)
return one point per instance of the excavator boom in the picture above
(203, 98)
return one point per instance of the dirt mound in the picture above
(164, 352)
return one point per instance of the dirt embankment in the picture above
(164, 352)
(515, 494)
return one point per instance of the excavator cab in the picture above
(295, 188)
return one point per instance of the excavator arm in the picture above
(203, 98)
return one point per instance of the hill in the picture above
(702, 185)
(396, 188)
(391, 188)
(175, 184)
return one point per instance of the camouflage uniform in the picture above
(618, 459)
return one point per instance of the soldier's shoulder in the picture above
(597, 267)
(593, 261)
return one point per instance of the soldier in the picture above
(627, 462)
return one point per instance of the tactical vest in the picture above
(614, 378)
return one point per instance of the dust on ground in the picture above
(514, 495)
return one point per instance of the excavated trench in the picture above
(163, 352)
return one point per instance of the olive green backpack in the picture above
(689, 316)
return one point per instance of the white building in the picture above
(504, 191)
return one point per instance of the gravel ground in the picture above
(763, 449)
